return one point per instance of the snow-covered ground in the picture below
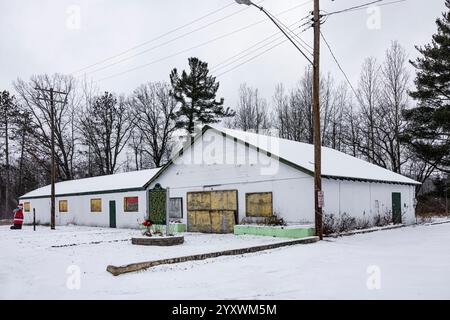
(409, 263)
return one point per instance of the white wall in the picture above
(79, 210)
(359, 198)
(219, 163)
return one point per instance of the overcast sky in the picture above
(47, 36)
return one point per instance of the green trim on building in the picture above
(275, 231)
(85, 193)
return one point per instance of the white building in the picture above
(224, 176)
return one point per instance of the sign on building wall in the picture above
(157, 201)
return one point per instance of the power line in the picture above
(340, 67)
(156, 38)
(180, 37)
(252, 58)
(239, 56)
(305, 45)
(195, 47)
(364, 6)
(249, 51)
(353, 8)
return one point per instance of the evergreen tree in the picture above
(196, 93)
(428, 132)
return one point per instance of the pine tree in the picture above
(428, 132)
(196, 93)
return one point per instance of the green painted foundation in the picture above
(275, 231)
(175, 227)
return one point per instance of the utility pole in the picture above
(318, 193)
(52, 129)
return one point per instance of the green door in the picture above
(396, 207)
(112, 214)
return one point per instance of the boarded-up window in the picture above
(26, 207)
(63, 207)
(259, 204)
(176, 208)
(96, 205)
(131, 204)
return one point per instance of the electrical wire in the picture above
(239, 55)
(253, 58)
(157, 37)
(340, 67)
(175, 39)
(353, 8)
(192, 48)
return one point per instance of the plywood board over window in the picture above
(131, 204)
(63, 206)
(259, 204)
(96, 205)
(26, 207)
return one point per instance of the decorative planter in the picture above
(158, 241)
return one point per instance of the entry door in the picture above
(397, 207)
(112, 214)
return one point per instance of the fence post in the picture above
(167, 210)
(34, 219)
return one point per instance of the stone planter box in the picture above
(158, 241)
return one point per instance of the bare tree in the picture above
(153, 114)
(40, 120)
(393, 101)
(105, 126)
(251, 111)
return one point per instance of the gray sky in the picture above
(44, 37)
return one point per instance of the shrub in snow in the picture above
(363, 223)
(381, 220)
(346, 223)
(329, 224)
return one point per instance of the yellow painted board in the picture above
(199, 201)
(259, 204)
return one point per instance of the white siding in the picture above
(219, 163)
(359, 198)
(79, 210)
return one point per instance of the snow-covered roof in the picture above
(110, 183)
(335, 164)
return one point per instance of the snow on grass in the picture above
(414, 263)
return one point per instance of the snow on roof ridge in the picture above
(349, 166)
(116, 181)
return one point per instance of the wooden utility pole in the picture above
(52, 129)
(318, 194)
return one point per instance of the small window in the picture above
(131, 204)
(96, 205)
(26, 207)
(63, 206)
(176, 208)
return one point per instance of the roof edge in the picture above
(24, 197)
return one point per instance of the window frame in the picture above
(258, 193)
(27, 207)
(101, 205)
(67, 206)
(125, 209)
(181, 201)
